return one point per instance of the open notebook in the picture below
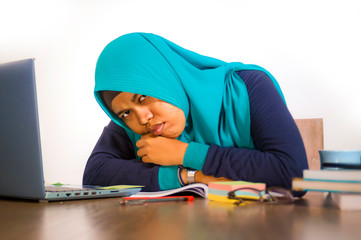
(21, 169)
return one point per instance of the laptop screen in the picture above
(21, 173)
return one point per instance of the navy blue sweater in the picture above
(279, 153)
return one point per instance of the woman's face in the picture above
(144, 114)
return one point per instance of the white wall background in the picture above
(313, 48)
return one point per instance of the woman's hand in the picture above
(160, 150)
(201, 178)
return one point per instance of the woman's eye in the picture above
(142, 98)
(125, 114)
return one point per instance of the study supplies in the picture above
(232, 185)
(198, 188)
(299, 184)
(218, 191)
(243, 194)
(333, 175)
(140, 201)
(346, 201)
(21, 167)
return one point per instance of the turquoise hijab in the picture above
(211, 94)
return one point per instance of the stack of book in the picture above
(344, 186)
(218, 191)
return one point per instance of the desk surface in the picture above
(310, 218)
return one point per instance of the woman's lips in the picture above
(158, 129)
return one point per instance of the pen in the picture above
(142, 200)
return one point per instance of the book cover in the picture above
(299, 184)
(198, 188)
(346, 201)
(333, 175)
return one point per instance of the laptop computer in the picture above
(21, 168)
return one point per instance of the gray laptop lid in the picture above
(21, 169)
(21, 173)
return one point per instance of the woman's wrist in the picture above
(199, 177)
(183, 175)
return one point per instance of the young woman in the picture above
(179, 117)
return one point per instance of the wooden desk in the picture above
(102, 219)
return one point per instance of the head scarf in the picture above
(211, 94)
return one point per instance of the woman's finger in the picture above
(140, 143)
(141, 153)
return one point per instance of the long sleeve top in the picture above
(279, 153)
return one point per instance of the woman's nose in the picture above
(144, 116)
